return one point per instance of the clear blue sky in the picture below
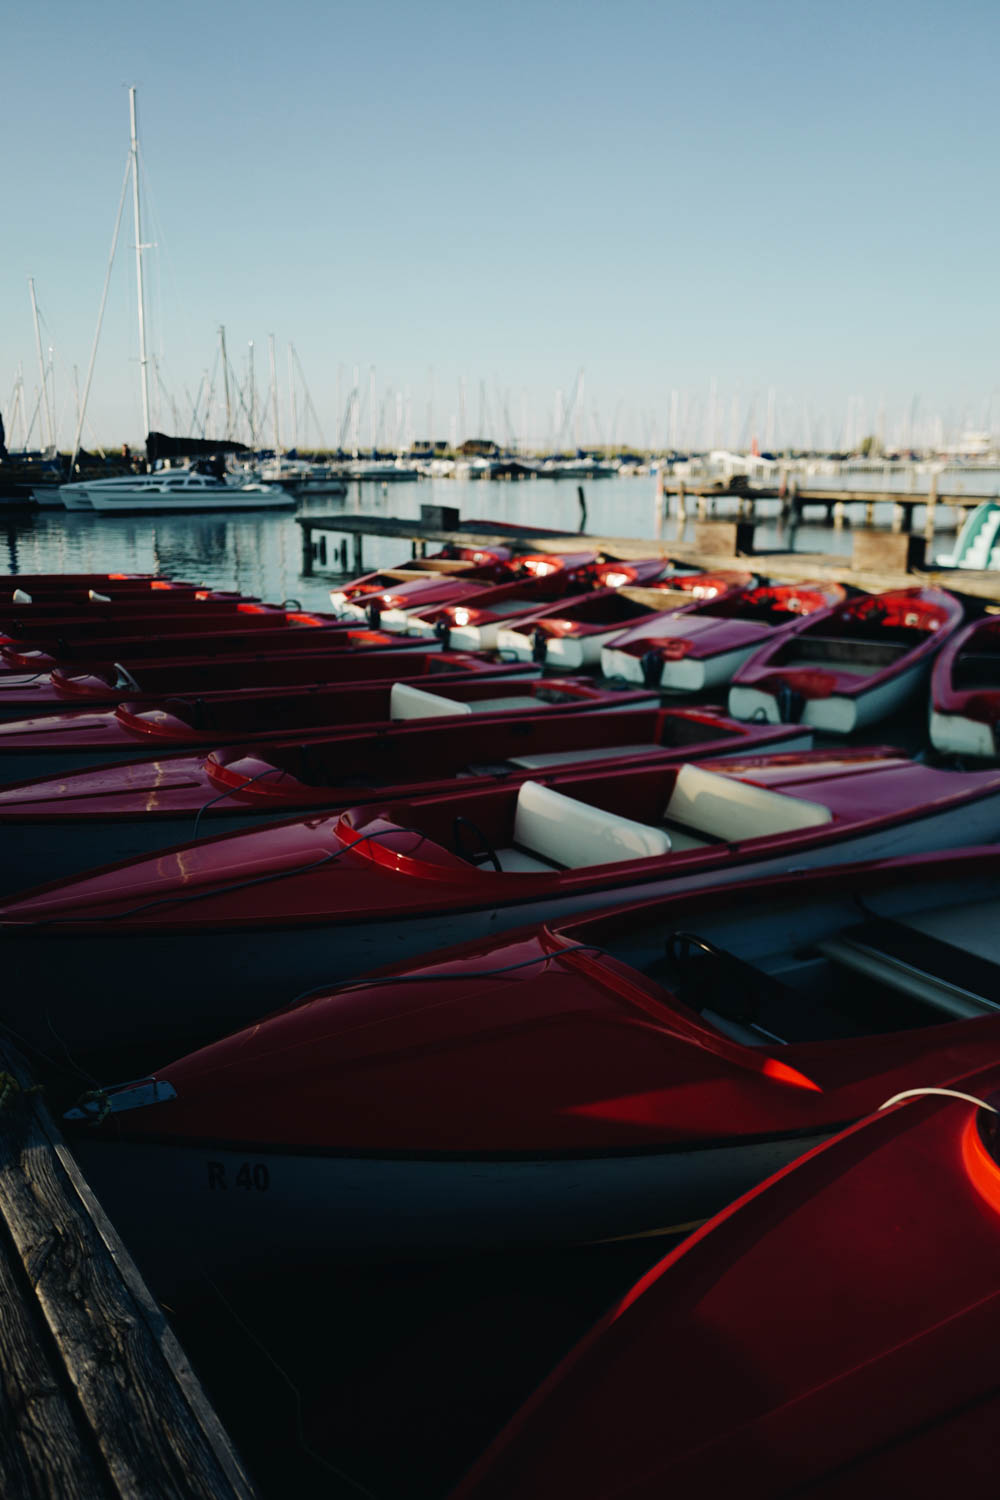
(695, 197)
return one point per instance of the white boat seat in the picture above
(570, 757)
(408, 702)
(573, 835)
(732, 810)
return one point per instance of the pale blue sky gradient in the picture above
(774, 195)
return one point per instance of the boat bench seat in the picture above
(724, 808)
(941, 975)
(571, 757)
(409, 702)
(552, 831)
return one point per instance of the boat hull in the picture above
(187, 1209)
(124, 1000)
(840, 713)
(689, 674)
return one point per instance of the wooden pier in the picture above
(97, 1399)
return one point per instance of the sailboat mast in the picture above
(143, 363)
(274, 392)
(42, 373)
(225, 381)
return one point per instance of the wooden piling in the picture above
(931, 510)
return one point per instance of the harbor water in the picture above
(260, 552)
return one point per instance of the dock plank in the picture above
(99, 1385)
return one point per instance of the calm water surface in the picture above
(260, 552)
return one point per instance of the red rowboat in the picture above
(417, 686)
(850, 667)
(119, 811)
(703, 645)
(588, 1079)
(832, 1334)
(324, 897)
(965, 691)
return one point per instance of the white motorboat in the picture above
(176, 490)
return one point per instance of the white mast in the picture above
(274, 392)
(291, 400)
(253, 401)
(139, 247)
(43, 375)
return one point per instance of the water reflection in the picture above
(261, 553)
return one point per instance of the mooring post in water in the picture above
(583, 508)
(682, 514)
(932, 490)
(307, 552)
(358, 564)
(658, 506)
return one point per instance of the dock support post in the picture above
(307, 552)
(583, 508)
(702, 508)
(870, 514)
(838, 515)
(902, 518)
(932, 490)
(681, 504)
(658, 505)
(359, 566)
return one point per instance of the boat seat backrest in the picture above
(409, 702)
(734, 810)
(573, 834)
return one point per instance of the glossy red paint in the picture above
(731, 621)
(399, 760)
(831, 1334)
(299, 706)
(966, 675)
(916, 622)
(420, 1058)
(256, 660)
(380, 863)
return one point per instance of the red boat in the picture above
(832, 1334)
(703, 645)
(92, 605)
(567, 1083)
(168, 635)
(252, 660)
(325, 897)
(850, 667)
(419, 686)
(391, 604)
(120, 811)
(574, 633)
(965, 691)
(473, 624)
(79, 585)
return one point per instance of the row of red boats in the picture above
(526, 959)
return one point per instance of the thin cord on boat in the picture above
(465, 974)
(340, 1474)
(268, 771)
(21, 680)
(946, 1093)
(222, 890)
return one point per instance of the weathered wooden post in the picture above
(932, 490)
(359, 566)
(307, 550)
(681, 504)
(658, 505)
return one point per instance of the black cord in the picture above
(268, 771)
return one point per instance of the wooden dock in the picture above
(97, 1399)
(885, 564)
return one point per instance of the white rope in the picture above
(945, 1093)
